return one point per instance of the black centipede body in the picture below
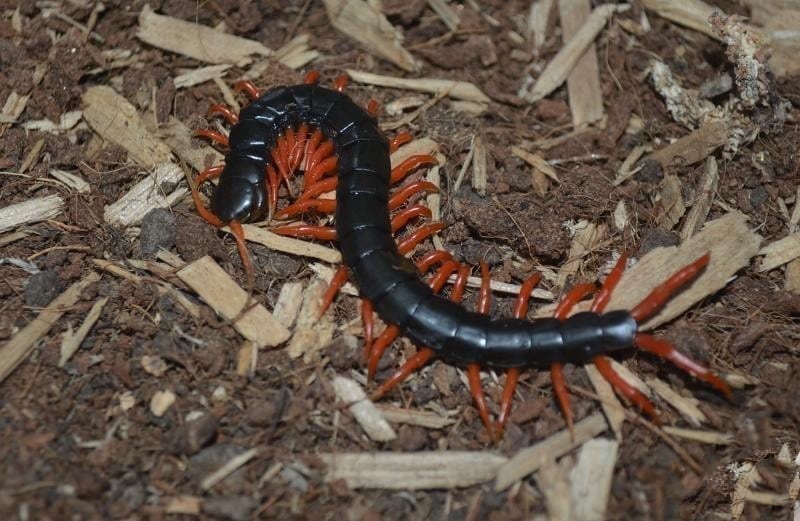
(369, 250)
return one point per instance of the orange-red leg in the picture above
(563, 309)
(409, 165)
(665, 350)
(405, 193)
(659, 296)
(311, 148)
(321, 151)
(317, 205)
(213, 135)
(373, 107)
(603, 365)
(402, 218)
(474, 370)
(512, 375)
(312, 78)
(323, 233)
(248, 88)
(341, 82)
(273, 185)
(205, 213)
(399, 140)
(316, 174)
(224, 111)
(369, 323)
(417, 236)
(337, 281)
(238, 234)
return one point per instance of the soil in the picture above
(81, 442)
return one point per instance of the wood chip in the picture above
(702, 203)
(455, 89)
(186, 505)
(627, 169)
(613, 409)
(695, 147)
(553, 480)
(687, 406)
(588, 237)
(30, 211)
(289, 245)
(161, 402)
(246, 359)
(413, 471)
(21, 344)
(479, 174)
(363, 410)
(179, 138)
(563, 63)
(13, 108)
(583, 83)
(427, 419)
(778, 253)
(693, 14)
(312, 332)
(731, 244)
(709, 437)
(227, 469)
(117, 121)
(146, 195)
(446, 13)
(670, 205)
(191, 39)
(71, 181)
(227, 299)
(538, 162)
(363, 23)
(72, 341)
(200, 75)
(591, 479)
(529, 460)
(288, 304)
(539, 17)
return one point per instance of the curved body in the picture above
(389, 280)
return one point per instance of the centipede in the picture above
(340, 149)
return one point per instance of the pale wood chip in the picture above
(247, 359)
(427, 419)
(702, 203)
(421, 146)
(709, 437)
(179, 138)
(563, 63)
(778, 253)
(539, 163)
(455, 89)
(22, 343)
(312, 332)
(693, 14)
(288, 304)
(200, 75)
(583, 82)
(72, 341)
(694, 147)
(631, 378)
(289, 245)
(588, 237)
(473, 108)
(363, 410)
(196, 41)
(591, 479)
(669, 204)
(529, 460)
(227, 299)
(12, 237)
(745, 476)
(228, 468)
(72, 181)
(13, 107)
(326, 273)
(30, 211)
(117, 121)
(620, 216)
(539, 17)
(613, 409)
(791, 281)
(446, 13)
(146, 195)
(66, 121)
(627, 169)
(368, 26)
(413, 471)
(553, 480)
(187, 505)
(479, 173)
(297, 53)
(161, 401)
(687, 406)
(731, 244)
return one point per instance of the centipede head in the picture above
(238, 199)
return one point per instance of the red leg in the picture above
(659, 296)
(402, 218)
(205, 213)
(373, 107)
(238, 234)
(474, 376)
(665, 350)
(213, 135)
(341, 82)
(412, 364)
(312, 77)
(406, 192)
(321, 152)
(399, 140)
(621, 386)
(320, 187)
(317, 205)
(311, 147)
(512, 375)
(409, 165)
(417, 236)
(298, 147)
(273, 185)
(431, 258)
(604, 295)
(323, 233)
(369, 323)
(338, 280)
(248, 88)
(224, 111)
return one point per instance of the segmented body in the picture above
(387, 279)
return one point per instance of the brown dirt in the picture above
(70, 450)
